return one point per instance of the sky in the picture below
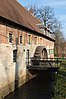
(58, 5)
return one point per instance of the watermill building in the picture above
(22, 36)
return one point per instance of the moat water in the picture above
(39, 87)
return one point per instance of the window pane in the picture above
(28, 39)
(10, 37)
(20, 39)
(35, 40)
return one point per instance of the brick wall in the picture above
(7, 66)
(4, 36)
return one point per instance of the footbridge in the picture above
(40, 62)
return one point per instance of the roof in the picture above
(13, 11)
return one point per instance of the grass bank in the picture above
(59, 86)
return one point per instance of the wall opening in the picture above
(14, 55)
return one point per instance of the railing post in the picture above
(57, 62)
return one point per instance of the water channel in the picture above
(39, 87)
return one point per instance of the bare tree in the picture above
(59, 42)
(33, 10)
(48, 19)
(46, 15)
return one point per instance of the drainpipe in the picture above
(28, 56)
(16, 68)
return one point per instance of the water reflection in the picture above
(37, 88)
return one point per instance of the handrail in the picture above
(49, 60)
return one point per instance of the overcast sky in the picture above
(58, 5)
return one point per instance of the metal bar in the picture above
(28, 56)
(34, 61)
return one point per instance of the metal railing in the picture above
(42, 61)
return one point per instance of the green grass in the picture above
(59, 87)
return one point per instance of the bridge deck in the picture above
(41, 68)
(50, 64)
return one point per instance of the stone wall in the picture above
(8, 68)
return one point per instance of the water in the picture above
(37, 88)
